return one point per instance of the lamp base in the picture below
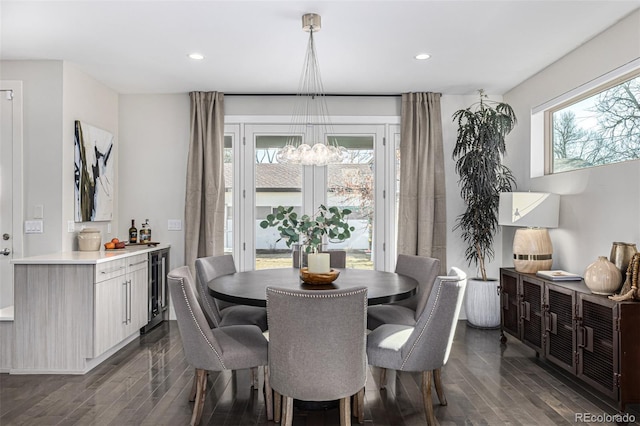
(532, 250)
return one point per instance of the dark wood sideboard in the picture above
(590, 336)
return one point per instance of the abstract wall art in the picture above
(94, 173)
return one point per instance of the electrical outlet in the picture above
(33, 227)
(174, 225)
(71, 226)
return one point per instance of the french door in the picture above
(359, 183)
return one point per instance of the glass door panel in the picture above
(352, 185)
(228, 193)
(275, 184)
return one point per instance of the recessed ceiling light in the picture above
(196, 56)
(423, 56)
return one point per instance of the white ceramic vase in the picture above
(482, 303)
(602, 277)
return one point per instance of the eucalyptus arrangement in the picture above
(310, 230)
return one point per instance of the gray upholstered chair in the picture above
(422, 269)
(226, 348)
(424, 347)
(317, 347)
(223, 313)
(337, 258)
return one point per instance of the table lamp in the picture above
(533, 212)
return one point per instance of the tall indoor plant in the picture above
(478, 153)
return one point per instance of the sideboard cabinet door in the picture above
(509, 303)
(531, 312)
(559, 325)
(597, 341)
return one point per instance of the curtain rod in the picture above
(397, 95)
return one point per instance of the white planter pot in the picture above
(482, 303)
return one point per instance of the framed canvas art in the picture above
(94, 173)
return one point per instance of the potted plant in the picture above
(309, 231)
(478, 153)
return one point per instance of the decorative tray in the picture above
(318, 279)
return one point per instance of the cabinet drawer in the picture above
(137, 262)
(111, 269)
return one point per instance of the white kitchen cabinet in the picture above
(75, 309)
(120, 301)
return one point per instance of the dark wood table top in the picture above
(250, 287)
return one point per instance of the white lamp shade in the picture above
(529, 209)
(536, 211)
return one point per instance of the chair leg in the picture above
(383, 378)
(345, 411)
(426, 397)
(287, 410)
(277, 407)
(437, 380)
(194, 386)
(358, 406)
(268, 394)
(201, 390)
(255, 380)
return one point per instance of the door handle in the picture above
(6, 252)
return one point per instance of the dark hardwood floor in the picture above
(147, 383)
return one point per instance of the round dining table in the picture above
(250, 287)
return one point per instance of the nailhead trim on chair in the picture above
(184, 293)
(423, 327)
(442, 281)
(316, 295)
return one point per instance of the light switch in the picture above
(174, 225)
(71, 226)
(38, 211)
(33, 227)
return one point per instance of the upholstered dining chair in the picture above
(224, 313)
(337, 258)
(425, 346)
(317, 347)
(213, 349)
(422, 269)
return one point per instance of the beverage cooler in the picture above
(158, 290)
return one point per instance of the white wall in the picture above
(154, 142)
(598, 205)
(55, 95)
(91, 102)
(42, 147)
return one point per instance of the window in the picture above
(260, 184)
(600, 126)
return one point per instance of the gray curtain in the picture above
(422, 213)
(204, 201)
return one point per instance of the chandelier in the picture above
(311, 116)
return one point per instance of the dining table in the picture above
(250, 287)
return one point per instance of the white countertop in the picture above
(86, 257)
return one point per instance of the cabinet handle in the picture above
(129, 311)
(124, 284)
(111, 270)
(138, 263)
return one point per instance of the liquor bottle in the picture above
(133, 233)
(145, 232)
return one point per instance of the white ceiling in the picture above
(364, 47)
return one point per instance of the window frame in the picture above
(541, 116)
(244, 176)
